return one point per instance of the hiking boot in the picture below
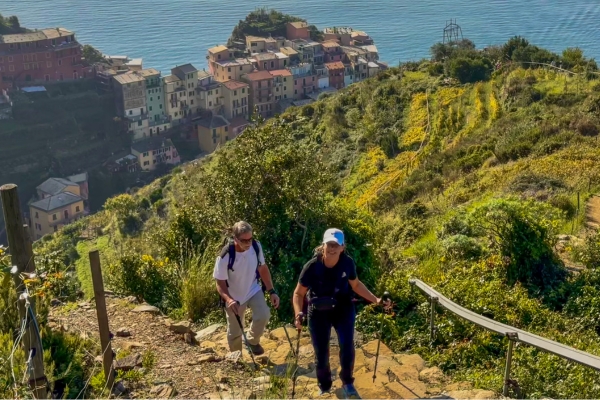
(256, 349)
(350, 392)
(324, 391)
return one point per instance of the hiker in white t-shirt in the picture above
(239, 287)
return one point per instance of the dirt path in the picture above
(202, 370)
(592, 212)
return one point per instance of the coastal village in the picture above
(261, 76)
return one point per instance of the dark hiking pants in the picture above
(319, 325)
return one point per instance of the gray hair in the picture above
(240, 228)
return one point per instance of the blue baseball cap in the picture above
(334, 235)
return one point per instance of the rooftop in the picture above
(234, 85)
(281, 72)
(371, 48)
(153, 143)
(130, 77)
(203, 74)
(56, 201)
(288, 50)
(217, 49)
(186, 68)
(371, 64)
(171, 79)
(264, 56)
(54, 33)
(359, 33)
(216, 121)
(280, 55)
(50, 33)
(339, 30)
(298, 24)
(330, 44)
(79, 178)
(234, 63)
(148, 72)
(255, 38)
(335, 65)
(135, 61)
(239, 121)
(54, 186)
(259, 75)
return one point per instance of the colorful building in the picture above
(155, 151)
(48, 55)
(232, 69)
(261, 92)
(158, 120)
(284, 84)
(213, 132)
(235, 99)
(180, 93)
(297, 30)
(209, 94)
(336, 74)
(130, 95)
(59, 202)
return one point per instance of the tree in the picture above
(91, 54)
(468, 70)
(13, 22)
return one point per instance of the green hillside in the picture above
(463, 185)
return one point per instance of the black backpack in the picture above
(229, 248)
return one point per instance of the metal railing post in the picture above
(512, 336)
(432, 318)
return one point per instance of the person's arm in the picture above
(223, 290)
(265, 276)
(298, 299)
(361, 290)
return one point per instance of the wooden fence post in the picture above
(21, 255)
(107, 352)
(511, 342)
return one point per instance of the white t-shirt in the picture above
(242, 279)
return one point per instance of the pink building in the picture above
(297, 30)
(261, 92)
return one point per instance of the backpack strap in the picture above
(257, 251)
(320, 272)
(229, 249)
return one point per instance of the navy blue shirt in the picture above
(322, 281)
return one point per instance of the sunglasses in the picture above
(245, 241)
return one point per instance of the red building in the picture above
(336, 74)
(47, 55)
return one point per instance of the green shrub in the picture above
(461, 247)
(469, 70)
(564, 203)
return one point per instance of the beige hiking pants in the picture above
(260, 317)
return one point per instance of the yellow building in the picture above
(213, 132)
(155, 151)
(180, 92)
(231, 69)
(51, 213)
(284, 84)
(235, 99)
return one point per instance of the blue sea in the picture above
(169, 32)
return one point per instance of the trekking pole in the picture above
(297, 355)
(246, 340)
(386, 296)
(287, 335)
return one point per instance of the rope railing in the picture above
(513, 334)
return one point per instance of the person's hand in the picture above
(233, 306)
(275, 300)
(298, 321)
(385, 303)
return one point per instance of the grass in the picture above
(82, 265)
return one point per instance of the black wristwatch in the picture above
(272, 291)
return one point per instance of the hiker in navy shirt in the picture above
(329, 279)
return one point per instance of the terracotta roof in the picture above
(298, 24)
(330, 43)
(359, 33)
(258, 75)
(217, 49)
(234, 85)
(335, 65)
(281, 72)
